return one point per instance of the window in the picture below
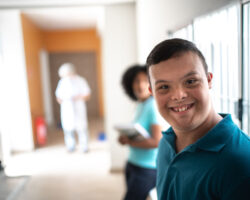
(184, 33)
(217, 35)
(246, 68)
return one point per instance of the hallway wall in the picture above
(22, 100)
(15, 118)
(156, 18)
(119, 52)
(33, 43)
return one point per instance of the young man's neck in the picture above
(184, 139)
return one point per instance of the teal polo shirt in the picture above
(217, 166)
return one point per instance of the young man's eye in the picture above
(191, 81)
(163, 87)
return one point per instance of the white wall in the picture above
(1, 64)
(15, 119)
(119, 52)
(156, 17)
(46, 87)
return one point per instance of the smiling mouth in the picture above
(182, 108)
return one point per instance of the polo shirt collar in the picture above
(213, 141)
(217, 137)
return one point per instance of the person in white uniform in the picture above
(72, 92)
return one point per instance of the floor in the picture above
(11, 186)
(51, 173)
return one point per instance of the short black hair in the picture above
(172, 48)
(129, 77)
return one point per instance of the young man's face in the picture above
(181, 89)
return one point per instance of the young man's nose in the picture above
(179, 94)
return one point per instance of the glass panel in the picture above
(246, 69)
(220, 46)
(184, 33)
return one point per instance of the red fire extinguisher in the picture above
(41, 131)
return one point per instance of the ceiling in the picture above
(62, 14)
(66, 18)
(55, 3)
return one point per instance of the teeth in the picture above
(181, 109)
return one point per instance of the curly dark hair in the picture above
(129, 77)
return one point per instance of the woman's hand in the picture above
(123, 140)
(81, 98)
(151, 142)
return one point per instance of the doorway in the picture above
(85, 63)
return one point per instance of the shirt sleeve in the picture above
(154, 114)
(84, 87)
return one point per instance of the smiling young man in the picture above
(204, 155)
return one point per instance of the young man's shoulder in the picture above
(238, 146)
(234, 158)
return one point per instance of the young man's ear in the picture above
(150, 90)
(209, 79)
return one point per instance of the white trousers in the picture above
(70, 140)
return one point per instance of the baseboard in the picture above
(116, 170)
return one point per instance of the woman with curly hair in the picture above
(140, 172)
